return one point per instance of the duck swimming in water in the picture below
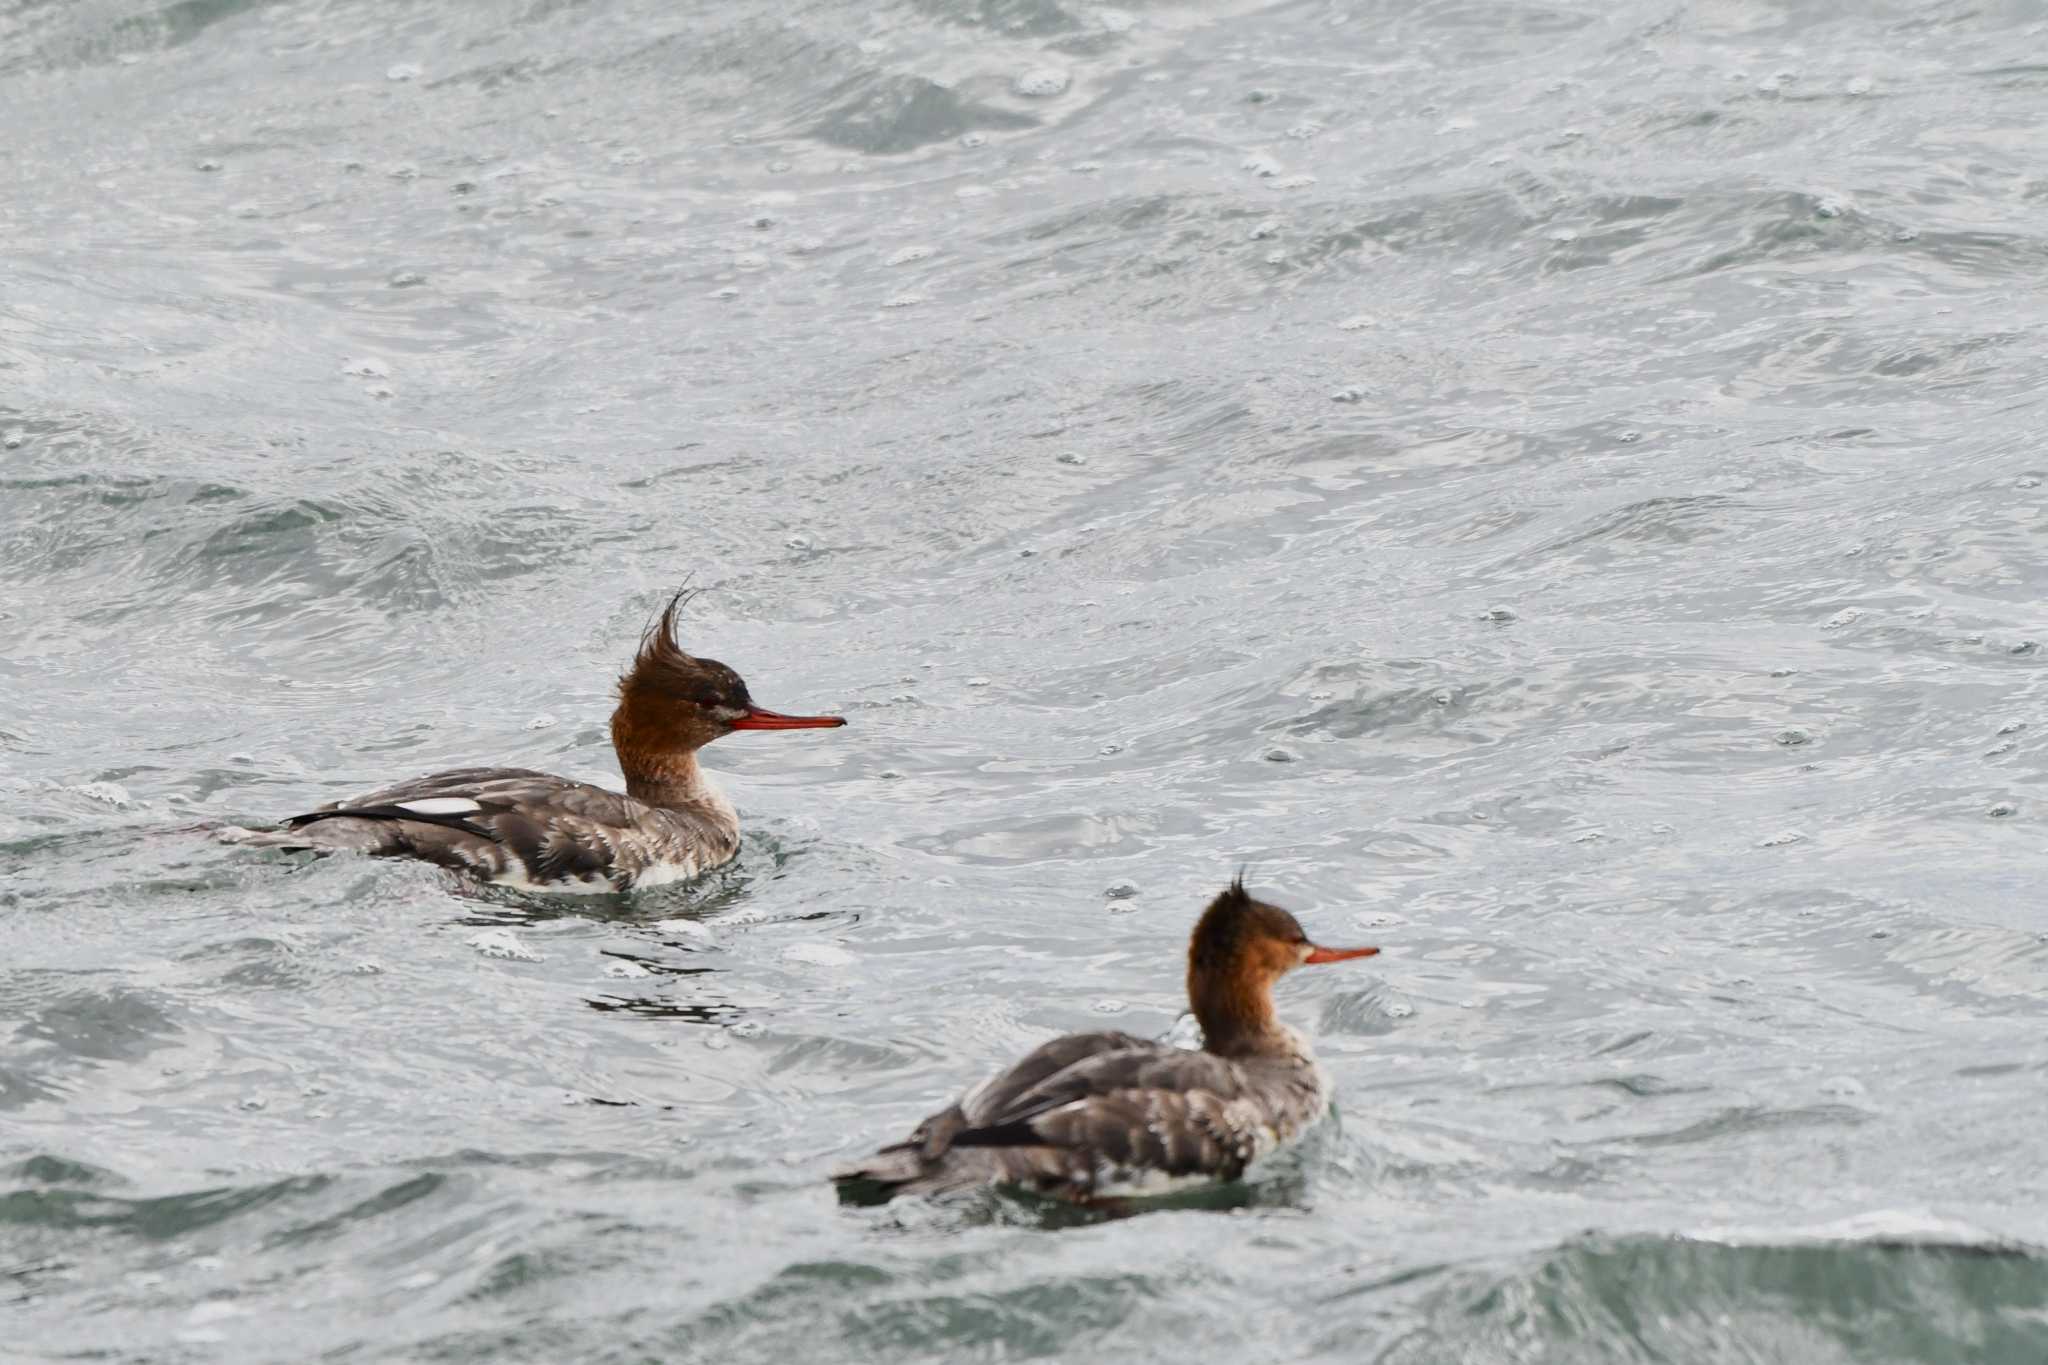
(1106, 1115)
(516, 827)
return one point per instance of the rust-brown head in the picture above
(672, 703)
(1240, 947)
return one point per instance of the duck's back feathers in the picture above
(1103, 1114)
(517, 827)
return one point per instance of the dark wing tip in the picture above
(461, 823)
(1017, 1134)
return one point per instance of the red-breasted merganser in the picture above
(1106, 1115)
(520, 828)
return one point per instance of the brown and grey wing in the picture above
(1002, 1095)
(474, 783)
(1134, 1115)
(1129, 1064)
(921, 1164)
(494, 822)
(1137, 1140)
(1079, 1112)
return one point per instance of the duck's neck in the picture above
(673, 782)
(1237, 1018)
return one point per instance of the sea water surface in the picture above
(1555, 489)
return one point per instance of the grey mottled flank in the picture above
(530, 829)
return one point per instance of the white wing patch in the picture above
(441, 805)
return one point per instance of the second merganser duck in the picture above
(520, 828)
(1106, 1115)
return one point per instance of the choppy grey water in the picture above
(1556, 488)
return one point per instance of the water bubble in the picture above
(1043, 82)
(403, 71)
(1791, 739)
(819, 954)
(1321, 694)
(1110, 1007)
(1261, 165)
(2002, 809)
(209, 165)
(1346, 395)
(1294, 182)
(623, 970)
(1070, 457)
(628, 156)
(903, 301)
(1086, 167)
(977, 682)
(1847, 616)
(1269, 228)
(1828, 208)
(1275, 258)
(1276, 754)
(405, 170)
(542, 722)
(1843, 1087)
(778, 167)
(1782, 840)
(1259, 96)
(726, 293)
(890, 775)
(747, 1028)
(2026, 481)
(750, 260)
(249, 1102)
(973, 139)
(1906, 235)
(503, 943)
(13, 439)
(2012, 727)
(907, 254)
(1498, 615)
(1398, 1009)
(1358, 322)
(106, 793)
(1880, 933)
(1304, 130)
(1565, 235)
(1858, 85)
(1109, 749)
(717, 1042)
(1443, 696)
(2023, 647)
(379, 390)
(367, 368)
(1121, 891)
(407, 279)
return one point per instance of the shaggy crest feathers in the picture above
(663, 667)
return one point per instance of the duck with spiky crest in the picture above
(520, 828)
(1097, 1117)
